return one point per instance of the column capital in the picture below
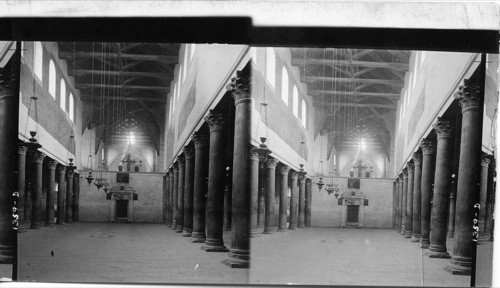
(294, 175)
(199, 140)
(428, 146)
(405, 173)
(302, 179)
(181, 161)
(401, 177)
(61, 169)
(21, 149)
(468, 95)
(284, 169)
(485, 161)
(254, 154)
(188, 152)
(271, 163)
(38, 157)
(52, 164)
(171, 172)
(214, 120)
(70, 170)
(397, 179)
(417, 158)
(443, 128)
(308, 181)
(175, 167)
(167, 174)
(240, 87)
(409, 166)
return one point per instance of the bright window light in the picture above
(131, 138)
(363, 145)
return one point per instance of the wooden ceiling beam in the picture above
(391, 82)
(143, 57)
(98, 85)
(127, 98)
(368, 64)
(78, 72)
(315, 93)
(362, 53)
(358, 105)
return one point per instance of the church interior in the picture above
(211, 163)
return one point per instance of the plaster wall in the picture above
(147, 209)
(325, 211)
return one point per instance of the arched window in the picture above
(295, 101)
(284, 85)
(38, 60)
(52, 79)
(62, 94)
(304, 113)
(71, 107)
(270, 66)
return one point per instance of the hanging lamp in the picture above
(32, 143)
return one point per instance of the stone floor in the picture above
(335, 256)
(133, 253)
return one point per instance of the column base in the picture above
(35, 226)
(450, 234)
(49, 224)
(174, 225)
(408, 234)
(269, 230)
(415, 238)
(301, 226)
(60, 223)
(198, 237)
(459, 265)
(69, 221)
(214, 245)
(438, 251)
(226, 228)
(425, 243)
(292, 228)
(260, 226)
(238, 259)
(187, 232)
(281, 230)
(403, 231)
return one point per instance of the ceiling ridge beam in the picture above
(392, 82)
(144, 57)
(368, 64)
(81, 72)
(352, 93)
(99, 85)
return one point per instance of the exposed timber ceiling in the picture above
(356, 91)
(124, 86)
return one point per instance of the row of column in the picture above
(34, 211)
(300, 196)
(426, 196)
(196, 185)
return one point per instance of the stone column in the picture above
(469, 97)
(170, 196)
(400, 203)
(489, 203)
(417, 196)
(199, 189)
(282, 222)
(49, 219)
(239, 254)
(393, 205)
(36, 212)
(70, 170)
(166, 198)
(397, 227)
(254, 190)
(483, 193)
(61, 193)
(428, 166)
(227, 199)
(21, 184)
(307, 216)
(293, 201)
(174, 195)
(452, 209)
(180, 194)
(215, 200)
(439, 213)
(302, 200)
(270, 195)
(404, 201)
(76, 198)
(409, 201)
(188, 191)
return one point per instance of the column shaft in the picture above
(69, 194)
(49, 219)
(307, 216)
(61, 193)
(261, 197)
(180, 195)
(409, 201)
(417, 197)
(21, 184)
(404, 202)
(282, 222)
(76, 198)
(428, 166)
(175, 188)
(400, 206)
(294, 197)
(200, 187)
(36, 212)
(302, 201)
(215, 200)
(164, 200)
(483, 193)
(254, 190)
(188, 191)
(270, 191)
(442, 177)
(489, 203)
